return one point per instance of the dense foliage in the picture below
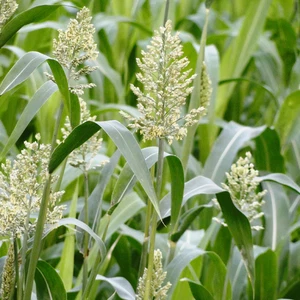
(126, 176)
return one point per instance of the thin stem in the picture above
(16, 266)
(38, 236)
(86, 236)
(36, 247)
(159, 175)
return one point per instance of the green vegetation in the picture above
(149, 149)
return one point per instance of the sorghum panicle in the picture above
(82, 156)
(21, 187)
(158, 292)
(166, 83)
(8, 275)
(75, 46)
(242, 186)
(7, 9)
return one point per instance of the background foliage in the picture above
(252, 55)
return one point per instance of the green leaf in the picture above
(229, 142)
(34, 105)
(267, 155)
(48, 283)
(198, 290)
(122, 138)
(75, 110)
(121, 286)
(282, 179)
(276, 213)
(241, 49)
(288, 115)
(186, 220)
(23, 68)
(177, 265)
(240, 230)
(266, 276)
(80, 224)
(196, 186)
(29, 16)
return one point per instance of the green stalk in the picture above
(38, 236)
(16, 261)
(159, 175)
(36, 247)
(86, 236)
(195, 98)
(143, 261)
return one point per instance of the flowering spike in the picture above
(74, 46)
(242, 186)
(21, 187)
(158, 292)
(167, 83)
(7, 9)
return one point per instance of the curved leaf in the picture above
(122, 138)
(48, 283)
(276, 212)
(37, 101)
(23, 68)
(122, 287)
(232, 138)
(196, 186)
(29, 16)
(282, 179)
(240, 230)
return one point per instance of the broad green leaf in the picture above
(240, 230)
(196, 186)
(281, 179)
(186, 220)
(115, 107)
(23, 68)
(229, 142)
(122, 287)
(80, 224)
(267, 155)
(276, 213)
(198, 290)
(127, 179)
(266, 276)
(288, 114)
(29, 16)
(179, 263)
(48, 283)
(241, 49)
(128, 207)
(122, 138)
(37, 101)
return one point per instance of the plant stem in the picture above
(195, 98)
(16, 266)
(159, 175)
(86, 236)
(38, 236)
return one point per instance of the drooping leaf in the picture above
(34, 14)
(229, 142)
(122, 287)
(48, 283)
(196, 186)
(240, 230)
(198, 290)
(37, 101)
(122, 138)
